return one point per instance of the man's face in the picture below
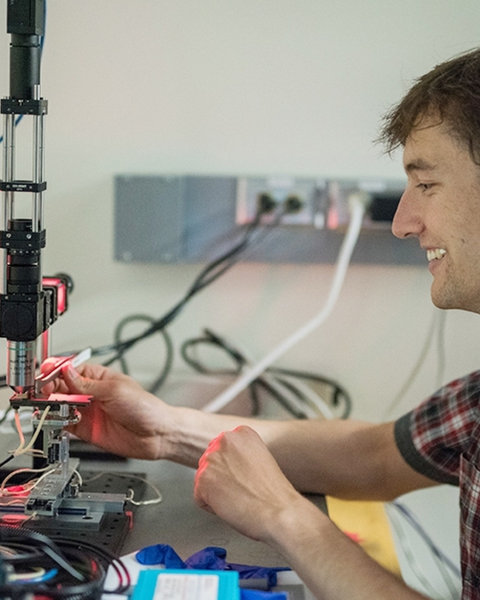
(441, 207)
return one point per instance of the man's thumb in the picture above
(74, 381)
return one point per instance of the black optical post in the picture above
(26, 308)
(25, 23)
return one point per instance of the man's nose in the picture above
(407, 221)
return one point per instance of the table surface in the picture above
(178, 522)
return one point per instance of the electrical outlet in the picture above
(384, 196)
(281, 200)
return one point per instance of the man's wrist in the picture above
(298, 523)
(184, 435)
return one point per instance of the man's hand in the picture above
(240, 481)
(123, 418)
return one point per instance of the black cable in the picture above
(254, 398)
(240, 361)
(49, 548)
(293, 410)
(79, 568)
(340, 394)
(205, 278)
(7, 410)
(210, 338)
(167, 367)
(436, 551)
(158, 382)
(106, 557)
(7, 460)
(22, 553)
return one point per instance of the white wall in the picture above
(289, 87)
(253, 87)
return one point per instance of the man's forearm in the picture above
(328, 562)
(347, 459)
(317, 456)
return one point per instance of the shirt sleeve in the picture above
(433, 437)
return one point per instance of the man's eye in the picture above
(424, 186)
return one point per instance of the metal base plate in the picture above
(108, 530)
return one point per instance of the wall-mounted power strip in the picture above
(194, 218)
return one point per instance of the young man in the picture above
(251, 472)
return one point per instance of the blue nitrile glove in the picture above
(258, 595)
(214, 557)
(160, 554)
(210, 558)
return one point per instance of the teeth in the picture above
(437, 253)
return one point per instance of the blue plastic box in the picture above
(186, 584)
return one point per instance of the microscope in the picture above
(31, 303)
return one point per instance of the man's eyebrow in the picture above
(419, 165)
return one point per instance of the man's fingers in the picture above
(49, 364)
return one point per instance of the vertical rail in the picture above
(8, 175)
(38, 167)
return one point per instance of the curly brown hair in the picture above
(448, 94)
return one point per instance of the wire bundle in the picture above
(32, 563)
(450, 572)
(284, 385)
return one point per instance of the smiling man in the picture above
(438, 125)
(252, 472)
(441, 204)
(441, 207)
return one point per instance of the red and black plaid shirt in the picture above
(441, 439)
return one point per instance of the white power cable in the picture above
(357, 204)
(315, 403)
(437, 327)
